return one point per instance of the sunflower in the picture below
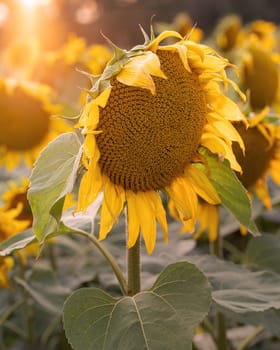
(227, 32)
(9, 226)
(26, 122)
(253, 49)
(262, 156)
(183, 24)
(146, 117)
(17, 215)
(15, 195)
(207, 220)
(231, 35)
(9, 223)
(6, 263)
(260, 75)
(263, 32)
(261, 159)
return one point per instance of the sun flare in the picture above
(33, 3)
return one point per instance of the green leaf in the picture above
(263, 253)
(17, 242)
(163, 318)
(52, 178)
(243, 295)
(233, 195)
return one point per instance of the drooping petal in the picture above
(182, 51)
(132, 218)
(218, 146)
(159, 212)
(153, 46)
(141, 217)
(184, 197)
(261, 189)
(91, 182)
(139, 70)
(202, 185)
(113, 202)
(208, 220)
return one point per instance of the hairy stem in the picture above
(109, 257)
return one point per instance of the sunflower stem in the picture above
(216, 249)
(109, 257)
(133, 269)
(250, 338)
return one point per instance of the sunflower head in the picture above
(227, 31)
(26, 123)
(9, 224)
(15, 196)
(262, 145)
(146, 116)
(263, 32)
(183, 24)
(260, 75)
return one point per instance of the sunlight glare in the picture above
(33, 3)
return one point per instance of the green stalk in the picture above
(251, 337)
(109, 257)
(216, 248)
(10, 310)
(133, 269)
(26, 309)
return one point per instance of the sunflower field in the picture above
(139, 178)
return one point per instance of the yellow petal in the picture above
(112, 206)
(182, 51)
(143, 209)
(274, 171)
(257, 118)
(202, 185)
(213, 220)
(218, 146)
(260, 187)
(166, 34)
(139, 70)
(159, 212)
(132, 219)
(184, 197)
(188, 226)
(226, 130)
(101, 100)
(90, 117)
(224, 106)
(208, 217)
(90, 186)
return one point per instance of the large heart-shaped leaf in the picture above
(163, 318)
(263, 253)
(243, 295)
